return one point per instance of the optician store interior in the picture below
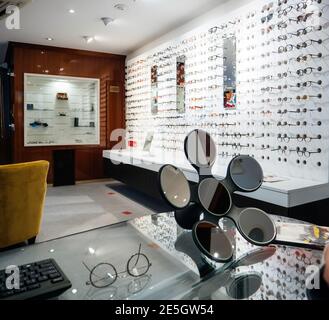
(164, 150)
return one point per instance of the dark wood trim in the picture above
(109, 68)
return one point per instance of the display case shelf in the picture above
(62, 110)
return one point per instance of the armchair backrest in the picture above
(22, 193)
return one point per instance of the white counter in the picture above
(288, 193)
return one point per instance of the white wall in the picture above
(209, 17)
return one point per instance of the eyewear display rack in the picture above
(282, 65)
(279, 113)
(60, 111)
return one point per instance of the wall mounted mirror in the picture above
(246, 173)
(180, 68)
(174, 187)
(229, 45)
(154, 90)
(214, 197)
(200, 149)
(212, 241)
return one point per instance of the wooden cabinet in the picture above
(108, 68)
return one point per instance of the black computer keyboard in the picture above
(38, 280)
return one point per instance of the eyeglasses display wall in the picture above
(280, 103)
(60, 110)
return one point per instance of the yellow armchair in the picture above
(22, 193)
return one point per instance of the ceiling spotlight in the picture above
(88, 39)
(107, 20)
(120, 6)
(49, 39)
(71, 11)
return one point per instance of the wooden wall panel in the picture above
(110, 69)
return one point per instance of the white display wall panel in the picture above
(60, 111)
(272, 99)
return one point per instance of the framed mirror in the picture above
(230, 99)
(246, 173)
(200, 149)
(212, 241)
(256, 226)
(214, 197)
(174, 187)
(154, 90)
(180, 68)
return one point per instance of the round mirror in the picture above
(244, 286)
(212, 241)
(214, 197)
(200, 149)
(256, 226)
(174, 187)
(246, 173)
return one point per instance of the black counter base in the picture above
(146, 181)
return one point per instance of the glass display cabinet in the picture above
(60, 111)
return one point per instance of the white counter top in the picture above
(288, 193)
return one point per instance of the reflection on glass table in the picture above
(268, 273)
(176, 270)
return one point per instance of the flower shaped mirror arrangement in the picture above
(201, 207)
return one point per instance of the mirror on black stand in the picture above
(200, 150)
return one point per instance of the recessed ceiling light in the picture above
(107, 20)
(120, 6)
(88, 39)
(71, 11)
(50, 39)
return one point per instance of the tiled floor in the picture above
(74, 209)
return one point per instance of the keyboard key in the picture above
(57, 280)
(42, 278)
(34, 286)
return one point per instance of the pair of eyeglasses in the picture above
(305, 84)
(268, 7)
(105, 274)
(308, 70)
(307, 138)
(267, 18)
(304, 152)
(297, 7)
(307, 43)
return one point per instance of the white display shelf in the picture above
(288, 193)
(49, 121)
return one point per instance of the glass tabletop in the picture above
(175, 264)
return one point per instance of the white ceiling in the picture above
(142, 22)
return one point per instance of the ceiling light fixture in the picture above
(50, 39)
(107, 20)
(120, 6)
(71, 11)
(88, 39)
